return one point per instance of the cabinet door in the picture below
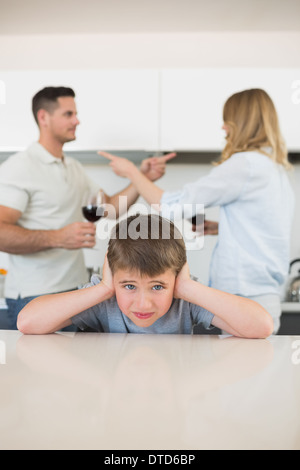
(192, 103)
(117, 109)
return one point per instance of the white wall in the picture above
(162, 50)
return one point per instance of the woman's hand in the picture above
(207, 228)
(211, 228)
(120, 166)
(153, 168)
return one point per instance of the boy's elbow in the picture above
(22, 324)
(260, 327)
(25, 324)
(266, 327)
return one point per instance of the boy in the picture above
(146, 288)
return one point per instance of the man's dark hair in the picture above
(47, 98)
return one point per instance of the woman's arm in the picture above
(50, 313)
(236, 315)
(143, 185)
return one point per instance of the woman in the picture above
(251, 186)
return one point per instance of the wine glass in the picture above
(92, 210)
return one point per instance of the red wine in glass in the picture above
(92, 213)
(198, 219)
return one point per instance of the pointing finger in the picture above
(107, 155)
(169, 156)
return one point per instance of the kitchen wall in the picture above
(150, 50)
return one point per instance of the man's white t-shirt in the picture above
(49, 192)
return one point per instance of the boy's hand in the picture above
(107, 279)
(182, 279)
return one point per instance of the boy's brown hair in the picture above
(147, 244)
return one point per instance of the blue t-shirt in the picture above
(106, 317)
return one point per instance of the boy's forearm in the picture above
(237, 315)
(49, 313)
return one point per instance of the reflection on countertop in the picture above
(114, 391)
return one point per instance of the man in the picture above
(41, 194)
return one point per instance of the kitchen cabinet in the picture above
(192, 103)
(146, 109)
(117, 109)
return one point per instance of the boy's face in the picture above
(142, 299)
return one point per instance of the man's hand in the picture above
(75, 236)
(154, 167)
(120, 166)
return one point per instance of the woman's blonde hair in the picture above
(252, 123)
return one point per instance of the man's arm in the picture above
(236, 315)
(18, 240)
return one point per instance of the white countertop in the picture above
(114, 391)
(290, 307)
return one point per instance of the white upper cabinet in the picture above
(117, 109)
(146, 109)
(192, 104)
